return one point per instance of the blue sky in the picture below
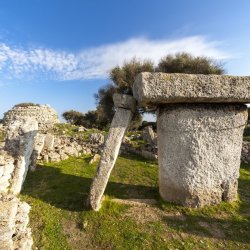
(60, 52)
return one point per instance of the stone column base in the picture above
(199, 152)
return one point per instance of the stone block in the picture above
(160, 88)
(199, 148)
(124, 101)
(49, 142)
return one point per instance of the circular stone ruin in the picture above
(44, 115)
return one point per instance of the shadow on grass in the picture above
(210, 222)
(70, 192)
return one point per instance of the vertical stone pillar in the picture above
(199, 147)
(125, 105)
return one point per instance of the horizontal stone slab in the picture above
(160, 88)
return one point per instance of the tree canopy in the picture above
(188, 64)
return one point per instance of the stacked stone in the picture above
(200, 123)
(54, 148)
(43, 114)
(14, 164)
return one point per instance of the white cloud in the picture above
(96, 62)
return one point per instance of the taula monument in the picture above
(200, 123)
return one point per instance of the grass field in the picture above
(57, 193)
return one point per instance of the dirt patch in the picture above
(145, 210)
(76, 237)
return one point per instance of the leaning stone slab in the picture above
(160, 88)
(111, 149)
(119, 125)
(199, 149)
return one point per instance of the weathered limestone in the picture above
(14, 219)
(43, 114)
(124, 101)
(149, 135)
(19, 144)
(200, 130)
(199, 147)
(160, 88)
(120, 123)
(14, 164)
(96, 138)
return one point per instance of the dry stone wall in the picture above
(43, 114)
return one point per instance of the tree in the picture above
(73, 117)
(122, 81)
(124, 77)
(188, 64)
(105, 106)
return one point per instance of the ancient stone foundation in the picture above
(200, 130)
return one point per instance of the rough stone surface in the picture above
(7, 165)
(245, 152)
(120, 123)
(14, 219)
(124, 101)
(19, 144)
(199, 152)
(94, 159)
(160, 88)
(96, 138)
(49, 141)
(149, 135)
(43, 114)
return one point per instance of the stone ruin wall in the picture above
(43, 114)
(15, 156)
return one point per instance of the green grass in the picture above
(57, 193)
(71, 130)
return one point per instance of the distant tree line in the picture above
(122, 79)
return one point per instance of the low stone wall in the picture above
(125, 148)
(43, 114)
(54, 148)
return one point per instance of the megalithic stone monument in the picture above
(200, 123)
(125, 107)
